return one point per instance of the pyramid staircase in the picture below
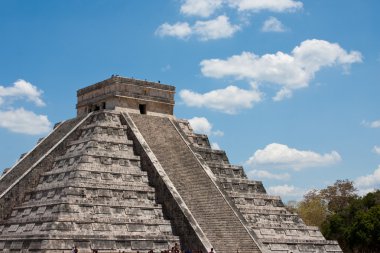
(94, 196)
(276, 229)
(213, 213)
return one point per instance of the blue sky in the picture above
(289, 88)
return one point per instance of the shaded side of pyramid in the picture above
(93, 196)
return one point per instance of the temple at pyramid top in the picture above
(132, 94)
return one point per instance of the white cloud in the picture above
(202, 8)
(178, 30)
(218, 133)
(215, 29)
(264, 174)
(26, 122)
(215, 145)
(266, 5)
(205, 8)
(272, 24)
(373, 124)
(200, 125)
(21, 89)
(281, 156)
(228, 100)
(376, 149)
(289, 71)
(282, 94)
(368, 183)
(286, 191)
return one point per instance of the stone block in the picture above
(16, 245)
(315, 233)
(332, 248)
(101, 227)
(142, 245)
(279, 247)
(136, 227)
(29, 227)
(35, 245)
(292, 232)
(41, 210)
(13, 228)
(104, 245)
(265, 231)
(307, 248)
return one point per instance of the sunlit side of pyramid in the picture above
(126, 175)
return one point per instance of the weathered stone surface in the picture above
(94, 194)
(277, 229)
(114, 180)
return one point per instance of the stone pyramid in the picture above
(126, 175)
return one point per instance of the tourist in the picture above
(212, 250)
(74, 249)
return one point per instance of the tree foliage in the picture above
(343, 216)
(339, 195)
(357, 226)
(312, 209)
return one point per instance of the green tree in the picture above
(343, 216)
(312, 210)
(357, 226)
(316, 206)
(339, 195)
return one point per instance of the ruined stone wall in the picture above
(13, 196)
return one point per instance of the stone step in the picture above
(206, 203)
(101, 138)
(94, 190)
(96, 169)
(96, 177)
(133, 206)
(88, 139)
(121, 154)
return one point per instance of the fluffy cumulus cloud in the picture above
(200, 125)
(286, 191)
(178, 30)
(288, 71)
(266, 5)
(272, 24)
(20, 120)
(213, 29)
(281, 156)
(202, 8)
(369, 182)
(205, 8)
(221, 27)
(264, 174)
(23, 121)
(21, 89)
(228, 100)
